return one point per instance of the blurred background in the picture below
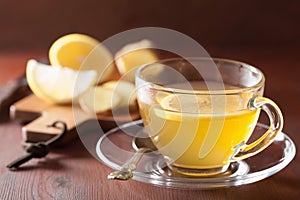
(35, 24)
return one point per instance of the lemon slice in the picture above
(180, 103)
(79, 51)
(132, 56)
(57, 84)
(99, 99)
(202, 104)
(125, 89)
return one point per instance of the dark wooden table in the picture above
(70, 172)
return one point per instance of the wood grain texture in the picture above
(71, 172)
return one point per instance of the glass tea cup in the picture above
(201, 112)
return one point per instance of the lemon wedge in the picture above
(58, 84)
(132, 56)
(99, 99)
(108, 96)
(125, 89)
(79, 51)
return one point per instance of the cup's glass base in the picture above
(199, 172)
(115, 148)
(159, 167)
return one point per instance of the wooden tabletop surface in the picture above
(71, 172)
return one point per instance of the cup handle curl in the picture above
(276, 125)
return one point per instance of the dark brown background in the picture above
(37, 23)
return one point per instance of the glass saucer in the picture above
(116, 147)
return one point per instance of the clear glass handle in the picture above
(276, 125)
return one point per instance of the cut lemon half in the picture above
(99, 99)
(79, 51)
(132, 56)
(58, 84)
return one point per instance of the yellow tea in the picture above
(198, 131)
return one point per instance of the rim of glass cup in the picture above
(158, 87)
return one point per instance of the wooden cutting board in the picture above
(39, 114)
